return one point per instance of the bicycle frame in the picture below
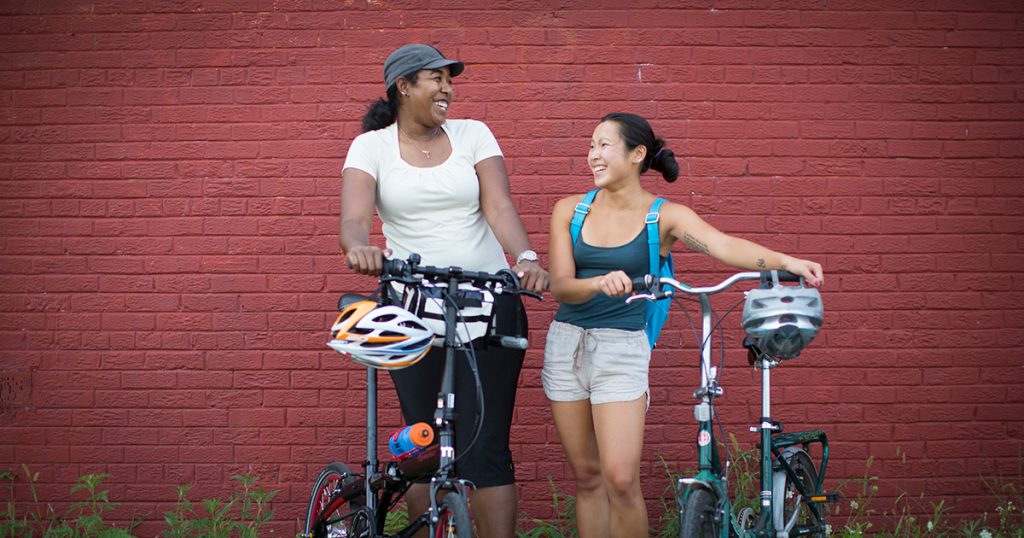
(380, 490)
(710, 473)
(392, 481)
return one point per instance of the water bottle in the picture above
(416, 464)
(410, 440)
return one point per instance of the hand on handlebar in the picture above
(532, 277)
(367, 259)
(810, 271)
(615, 284)
(647, 288)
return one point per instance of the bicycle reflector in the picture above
(385, 337)
(782, 320)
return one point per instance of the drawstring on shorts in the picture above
(586, 343)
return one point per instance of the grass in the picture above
(245, 512)
(241, 515)
(854, 516)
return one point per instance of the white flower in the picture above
(985, 533)
(931, 526)
(828, 529)
(853, 505)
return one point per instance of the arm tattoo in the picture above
(695, 243)
(760, 263)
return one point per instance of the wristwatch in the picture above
(527, 256)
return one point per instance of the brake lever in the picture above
(651, 296)
(529, 293)
(512, 282)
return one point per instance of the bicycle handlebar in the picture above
(410, 272)
(652, 283)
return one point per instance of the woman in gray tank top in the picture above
(597, 354)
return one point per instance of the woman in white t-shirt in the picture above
(441, 190)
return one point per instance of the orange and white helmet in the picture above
(386, 337)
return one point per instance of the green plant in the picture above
(11, 525)
(858, 509)
(177, 520)
(668, 522)
(84, 518)
(219, 518)
(564, 523)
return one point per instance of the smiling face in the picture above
(429, 98)
(610, 160)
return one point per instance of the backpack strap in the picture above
(653, 237)
(580, 213)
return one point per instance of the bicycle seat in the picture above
(349, 298)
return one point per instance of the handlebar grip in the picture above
(643, 283)
(786, 276)
(393, 267)
(511, 342)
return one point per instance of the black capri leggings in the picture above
(489, 462)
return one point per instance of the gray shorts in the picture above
(602, 365)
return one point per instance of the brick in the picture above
(170, 181)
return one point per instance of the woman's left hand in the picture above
(810, 271)
(531, 275)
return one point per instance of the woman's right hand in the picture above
(367, 259)
(614, 284)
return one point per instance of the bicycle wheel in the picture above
(792, 511)
(454, 521)
(698, 519)
(329, 516)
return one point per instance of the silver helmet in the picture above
(782, 320)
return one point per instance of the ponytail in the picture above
(384, 112)
(663, 160)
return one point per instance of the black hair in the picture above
(636, 132)
(384, 112)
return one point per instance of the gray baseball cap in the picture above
(411, 58)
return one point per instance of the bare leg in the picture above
(418, 501)
(619, 428)
(494, 511)
(575, 426)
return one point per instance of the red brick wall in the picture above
(169, 173)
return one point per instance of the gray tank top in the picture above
(603, 312)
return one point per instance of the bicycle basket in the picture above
(385, 337)
(782, 320)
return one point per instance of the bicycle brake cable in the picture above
(473, 367)
(721, 427)
(721, 365)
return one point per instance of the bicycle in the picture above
(346, 504)
(780, 321)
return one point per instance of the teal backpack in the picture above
(656, 313)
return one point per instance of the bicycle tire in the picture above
(698, 518)
(455, 521)
(795, 510)
(349, 518)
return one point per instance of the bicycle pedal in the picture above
(830, 497)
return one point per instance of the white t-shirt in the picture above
(434, 211)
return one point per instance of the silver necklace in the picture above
(430, 143)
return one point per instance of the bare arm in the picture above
(358, 199)
(565, 287)
(500, 212)
(702, 237)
